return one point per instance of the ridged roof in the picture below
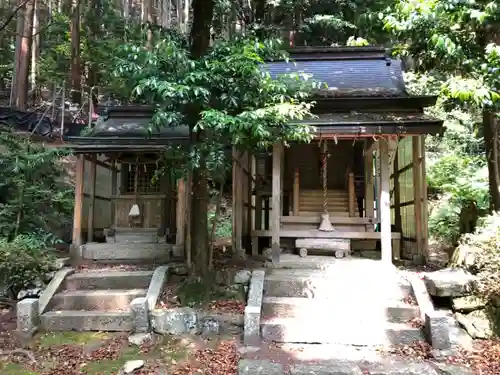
(348, 77)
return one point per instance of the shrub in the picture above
(479, 253)
(24, 263)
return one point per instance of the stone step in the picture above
(125, 251)
(86, 321)
(382, 366)
(109, 280)
(294, 285)
(332, 331)
(94, 300)
(135, 236)
(290, 307)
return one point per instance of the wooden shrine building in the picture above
(365, 169)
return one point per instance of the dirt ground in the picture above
(99, 353)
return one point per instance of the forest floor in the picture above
(99, 353)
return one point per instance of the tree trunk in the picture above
(35, 49)
(23, 55)
(94, 17)
(491, 146)
(76, 78)
(200, 41)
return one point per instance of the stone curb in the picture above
(436, 325)
(158, 280)
(54, 287)
(251, 335)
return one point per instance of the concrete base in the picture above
(126, 251)
(86, 321)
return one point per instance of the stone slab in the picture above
(86, 321)
(259, 367)
(251, 331)
(99, 299)
(449, 282)
(158, 280)
(27, 316)
(54, 287)
(124, 251)
(437, 330)
(174, 321)
(467, 303)
(109, 280)
(329, 368)
(140, 315)
(323, 244)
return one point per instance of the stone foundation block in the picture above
(27, 316)
(437, 330)
(140, 316)
(174, 321)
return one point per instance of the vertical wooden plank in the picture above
(237, 203)
(234, 197)
(250, 199)
(180, 217)
(369, 192)
(267, 211)
(92, 180)
(351, 193)
(425, 209)
(296, 192)
(78, 211)
(276, 201)
(385, 203)
(114, 192)
(397, 207)
(417, 191)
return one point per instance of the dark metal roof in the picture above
(348, 77)
(347, 124)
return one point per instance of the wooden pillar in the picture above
(237, 203)
(78, 211)
(180, 217)
(425, 210)
(417, 191)
(296, 192)
(385, 203)
(369, 192)
(276, 201)
(267, 209)
(114, 193)
(397, 208)
(251, 199)
(351, 193)
(92, 180)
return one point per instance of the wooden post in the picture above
(237, 203)
(369, 192)
(114, 192)
(397, 207)
(267, 211)
(385, 203)
(417, 191)
(92, 180)
(296, 192)
(78, 211)
(425, 210)
(276, 201)
(180, 217)
(351, 193)
(251, 200)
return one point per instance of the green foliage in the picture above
(225, 95)
(479, 253)
(451, 37)
(33, 194)
(24, 262)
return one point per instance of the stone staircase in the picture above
(95, 301)
(337, 301)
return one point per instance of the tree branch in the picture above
(12, 15)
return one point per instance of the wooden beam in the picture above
(78, 211)
(333, 219)
(237, 203)
(296, 192)
(92, 180)
(100, 163)
(114, 191)
(351, 193)
(425, 209)
(369, 193)
(314, 233)
(385, 203)
(417, 191)
(276, 200)
(180, 218)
